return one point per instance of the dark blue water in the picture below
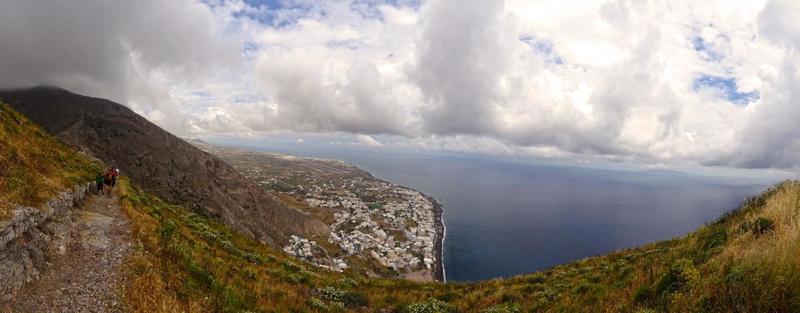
(508, 218)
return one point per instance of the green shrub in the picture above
(346, 283)
(624, 272)
(644, 295)
(706, 305)
(168, 229)
(547, 295)
(336, 307)
(431, 305)
(680, 274)
(332, 293)
(298, 278)
(507, 307)
(762, 226)
(531, 288)
(714, 236)
(354, 299)
(535, 279)
(447, 297)
(508, 297)
(390, 299)
(582, 288)
(734, 274)
(290, 267)
(318, 304)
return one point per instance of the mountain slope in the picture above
(744, 262)
(162, 163)
(33, 166)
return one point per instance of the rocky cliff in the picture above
(162, 163)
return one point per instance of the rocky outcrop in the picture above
(163, 164)
(32, 236)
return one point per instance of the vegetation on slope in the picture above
(745, 262)
(34, 165)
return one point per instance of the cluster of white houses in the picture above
(302, 248)
(398, 229)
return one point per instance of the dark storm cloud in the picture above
(98, 46)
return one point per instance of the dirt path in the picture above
(85, 279)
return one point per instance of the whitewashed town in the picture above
(360, 227)
(393, 228)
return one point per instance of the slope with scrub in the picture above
(744, 262)
(162, 163)
(33, 165)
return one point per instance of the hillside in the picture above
(33, 166)
(161, 163)
(744, 262)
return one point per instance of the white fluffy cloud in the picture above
(710, 83)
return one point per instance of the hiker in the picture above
(99, 182)
(107, 182)
(114, 174)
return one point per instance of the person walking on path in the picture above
(107, 181)
(99, 181)
(114, 174)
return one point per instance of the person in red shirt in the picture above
(114, 173)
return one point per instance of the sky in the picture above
(662, 83)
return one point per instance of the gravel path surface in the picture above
(86, 278)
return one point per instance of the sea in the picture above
(506, 217)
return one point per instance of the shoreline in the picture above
(438, 249)
(438, 272)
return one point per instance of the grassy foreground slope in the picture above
(34, 165)
(747, 261)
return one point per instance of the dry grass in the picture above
(34, 165)
(747, 261)
(189, 263)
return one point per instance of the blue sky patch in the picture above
(707, 50)
(278, 13)
(543, 48)
(269, 12)
(270, 4)
(726, 87)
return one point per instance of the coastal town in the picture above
(377, 228)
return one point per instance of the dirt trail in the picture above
(86, 277)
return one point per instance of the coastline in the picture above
(438, 251)
(437, 272)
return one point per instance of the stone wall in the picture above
(33, 236)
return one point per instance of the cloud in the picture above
(631, 81)
(128, 51)
(461, 59)
(367, 140)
